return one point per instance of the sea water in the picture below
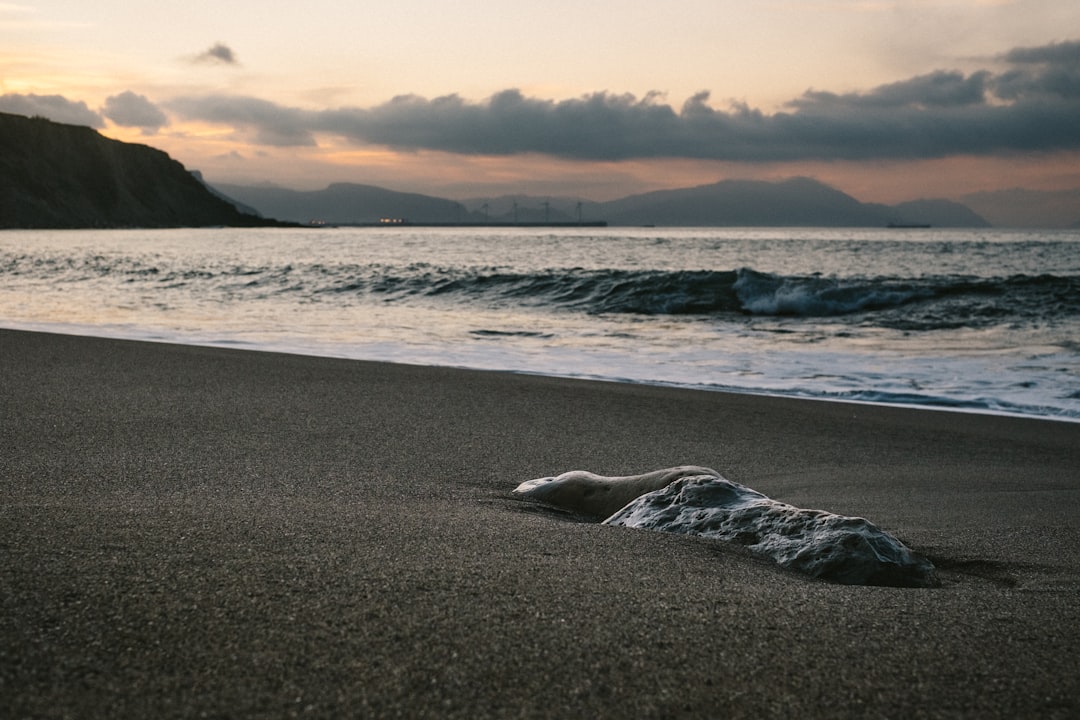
(982, 320)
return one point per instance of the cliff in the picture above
(66, 176)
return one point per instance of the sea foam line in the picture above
(404, 354)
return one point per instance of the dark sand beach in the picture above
(194, 532)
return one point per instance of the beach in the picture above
(204, 532)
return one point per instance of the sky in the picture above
(888, 100)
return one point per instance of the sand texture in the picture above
(194, 532)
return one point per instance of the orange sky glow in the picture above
(887, 100)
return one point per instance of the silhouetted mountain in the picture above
(799, 201)
(794, 202)
(939, 213)
(1019, 207)
(66, 176)
(344, 203)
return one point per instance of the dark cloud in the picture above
(218, 54)
(269, 123)
(131, 110)
(936, 90)
(1051, 71)
(1032, 106)
(1062, 53)
(598, 125)
(53, 107)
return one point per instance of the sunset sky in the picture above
(888, 100)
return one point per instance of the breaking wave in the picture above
(922, 303)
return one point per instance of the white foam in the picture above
(699, 501)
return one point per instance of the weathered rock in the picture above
(698, 501)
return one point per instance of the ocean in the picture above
(977, 320)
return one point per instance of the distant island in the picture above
(66, 176)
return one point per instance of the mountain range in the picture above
(792, 202)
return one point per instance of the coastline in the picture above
(810, 313)
(201, 530)
(928, 403)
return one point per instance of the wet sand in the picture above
(203, 532)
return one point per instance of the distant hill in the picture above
(794, 202)
(799, 201)
(66, 176)
(1019, 207)
(343, 203)
(939, 213)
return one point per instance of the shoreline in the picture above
(943, 405)
(190, 530)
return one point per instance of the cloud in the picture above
(939, 89)
(1032, 106)
(599, 125)
(131, 110)
(53, 107)
(218, 54)
(269, 123)
(1063, 53)
(1050, 71)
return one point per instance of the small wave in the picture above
(510, 333)
(986, 404)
